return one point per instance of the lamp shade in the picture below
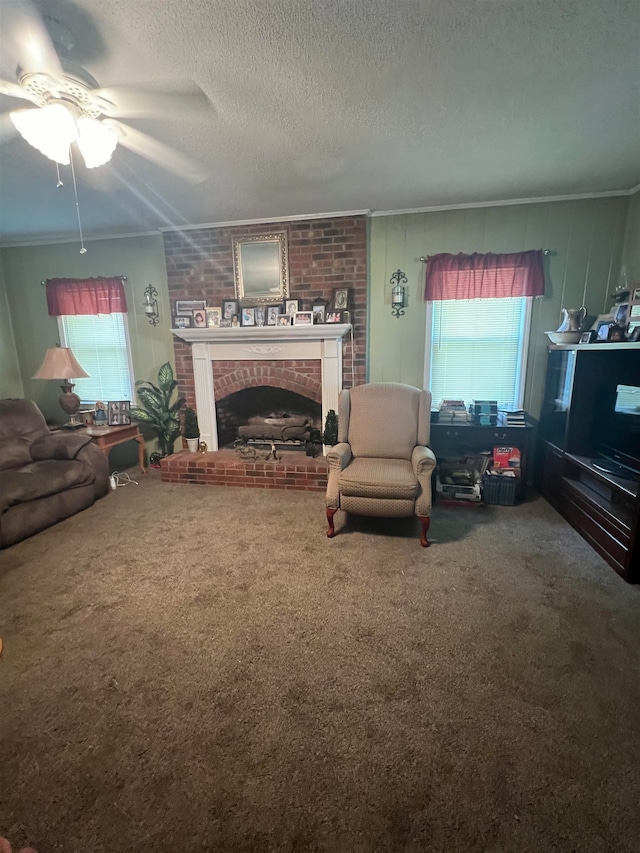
(59, 363)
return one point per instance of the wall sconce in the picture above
(151, 305)
(397, 280)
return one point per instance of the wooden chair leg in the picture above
(424, 526)
(331, 532)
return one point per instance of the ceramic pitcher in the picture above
(572, 319)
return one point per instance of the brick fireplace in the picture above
(315, 361)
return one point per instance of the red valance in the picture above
(489, 276)
(85, 296)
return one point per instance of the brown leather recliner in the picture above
(44, 476)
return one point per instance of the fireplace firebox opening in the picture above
(266, 414)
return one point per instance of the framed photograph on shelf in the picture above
(319, 309)
(225, 322)
(200, 319)
(284, 319)
(214, 315)
(303, 318)
(333, 317)
(602, 328)
(340, 300)
(248, 317)
(260, 315)
(119, 413)
(291, 306)
(229, 308)
(273, 312)
(587, 337)
(182, 321)
(186, 307)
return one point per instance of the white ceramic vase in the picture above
(192, 444)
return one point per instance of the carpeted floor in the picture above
(198, 668)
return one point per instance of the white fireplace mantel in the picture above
(254, 343)
(265, 334)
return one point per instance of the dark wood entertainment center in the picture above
(580, 432)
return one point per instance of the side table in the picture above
(106, 437)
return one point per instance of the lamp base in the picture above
(70, 404)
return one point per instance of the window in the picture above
(478, 349)
(100, 342)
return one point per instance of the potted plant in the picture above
(157, 410)
(190, 429)
(330, 435)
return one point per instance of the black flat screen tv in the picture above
(618, 430)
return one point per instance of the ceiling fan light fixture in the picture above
(96, 141)
(50, 129)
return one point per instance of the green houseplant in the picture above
(330, 435)
(157, 410)
(190, 429)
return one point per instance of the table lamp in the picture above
(61, 363)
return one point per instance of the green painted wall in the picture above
(585, 239)
(141, 259)
(10, 381)
(631, 255)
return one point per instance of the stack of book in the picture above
(512, 417)
(453, 411)
(485, 412)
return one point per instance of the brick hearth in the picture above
(292, 470)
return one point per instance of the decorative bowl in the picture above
(564, 337)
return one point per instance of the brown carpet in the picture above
(198, 668)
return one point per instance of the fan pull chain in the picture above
(83, 250)
(59, 184)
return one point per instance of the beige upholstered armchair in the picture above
(381, 465)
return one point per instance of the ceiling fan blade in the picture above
(25, 38)
(162, 155)
(129, 103)
(13, 90)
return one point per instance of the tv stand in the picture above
(596, 495)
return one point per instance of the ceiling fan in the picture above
(70, 107)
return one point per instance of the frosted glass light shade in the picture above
(96, 141)
(50, 129)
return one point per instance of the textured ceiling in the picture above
(335, 105)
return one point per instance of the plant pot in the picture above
(192, 444)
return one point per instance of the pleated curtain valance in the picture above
(488, 276)
(85, 296)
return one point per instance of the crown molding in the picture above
(506, 202)
(296, 218)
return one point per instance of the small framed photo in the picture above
(635, 295)
(303, 318)
(291, 306)
(119, 413)
(186, 307)
(587, 337)
(602, 329)
(248, 317)
(181, 321)
(340, 300)
(284, 319)
(622, 313)
(229, 308)
(333, 317)
(319, 309)
(200, 319)
(260, 315)
(273, 312)
(214, 315)
(225, 323)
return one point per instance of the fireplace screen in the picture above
(265, 415)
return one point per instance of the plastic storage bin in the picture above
(499, 490)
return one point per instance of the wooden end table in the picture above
(106, 437)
